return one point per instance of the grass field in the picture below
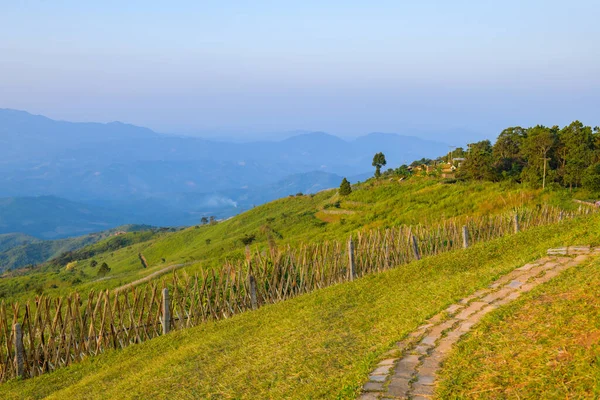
(545, 346)
(290, 220)
(320, 345)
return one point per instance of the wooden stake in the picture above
(465, 235)
(517, 223)
(166, 312)
(19, 350)
(415, 248)
(253, 302)
(351, 262)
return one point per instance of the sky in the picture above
(457, 71)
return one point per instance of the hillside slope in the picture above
(21, 250)
(320, 345)
(291, 220)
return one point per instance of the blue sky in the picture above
(433, 68)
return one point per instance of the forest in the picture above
(540, 156)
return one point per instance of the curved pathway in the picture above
(413, 374)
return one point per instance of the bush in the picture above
(103, 270)
(248, 239)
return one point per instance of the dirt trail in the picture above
(154, 275)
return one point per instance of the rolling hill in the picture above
(18, 250)
(290, 220)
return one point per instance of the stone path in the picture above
(410, 369)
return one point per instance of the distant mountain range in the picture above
(119, 173)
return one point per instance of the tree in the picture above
(478, 162)
(575, 152)
(345, 188)
(378, 162)
(591, 178)
(93, 263)
(213, 220)
(403, 171)
(536, 149)
(506, 152)
(422, 161)
(204, 220)
(104, 269)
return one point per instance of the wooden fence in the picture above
(44, 334)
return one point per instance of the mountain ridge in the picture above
(103, 164)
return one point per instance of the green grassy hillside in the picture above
(320, 345)
(291, 220)
(18, 250)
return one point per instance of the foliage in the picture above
(478, 163)
(591, 179)
(345, 188)
(248, 239)
(539, 156)
(103, 270)
(378, 162)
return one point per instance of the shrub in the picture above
(104, 269)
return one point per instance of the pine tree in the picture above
(345, 188)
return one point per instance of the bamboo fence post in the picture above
(415, 248)
(19, 350)
(253, 292)
(166, 312)
(351, 261)
(516, 219)
(465, 235)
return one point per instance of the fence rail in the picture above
(44, 334)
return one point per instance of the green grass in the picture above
(545, 346)
(291, 220)
(320, 345)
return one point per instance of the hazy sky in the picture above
(345, 67)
